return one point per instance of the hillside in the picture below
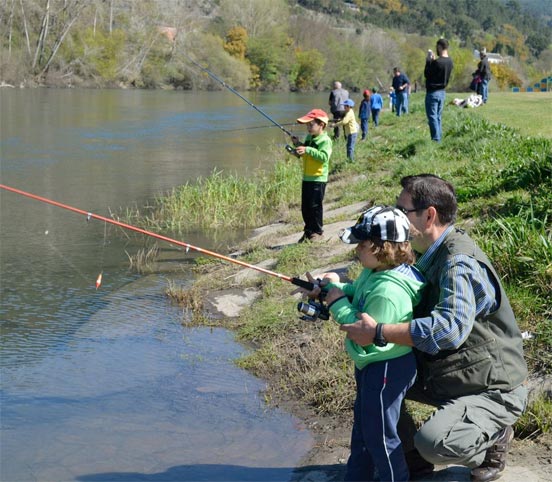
(263, 44)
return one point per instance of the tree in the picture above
(258, 17)
(308, 69)
(236, 42)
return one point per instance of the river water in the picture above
(109, 384)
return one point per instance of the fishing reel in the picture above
(313, 310)
(292, 150)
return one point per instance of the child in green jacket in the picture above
(315, 151)
(387, 289)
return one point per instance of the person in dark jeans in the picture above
(401, 84)
(437, 74)
(484, 72)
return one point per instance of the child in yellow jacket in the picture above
(350, 128)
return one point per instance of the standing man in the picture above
(401, 84)
(484, 71)
(468, 346)
(437, 74)
(337, 98)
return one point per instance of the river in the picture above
(109, 384)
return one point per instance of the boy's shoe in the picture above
(303, 238)
(495, 459)
(316, 237)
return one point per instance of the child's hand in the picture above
(329, 277)
(295, 140)
(300, 150)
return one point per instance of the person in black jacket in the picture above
(437, 74)
(484, 72)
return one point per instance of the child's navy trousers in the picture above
(375, 443)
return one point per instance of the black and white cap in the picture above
(379, 222)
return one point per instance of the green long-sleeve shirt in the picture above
(387, 296)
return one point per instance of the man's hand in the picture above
(361, 332)
(333, 294)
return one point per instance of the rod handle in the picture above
(303, 284)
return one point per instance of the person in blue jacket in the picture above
(376, 104)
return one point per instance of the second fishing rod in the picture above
(234, 91)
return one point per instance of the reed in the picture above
(222, 200)
(144, 259)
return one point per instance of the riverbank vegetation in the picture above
(504, 186)
(266, 44)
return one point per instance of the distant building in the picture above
(493, 58)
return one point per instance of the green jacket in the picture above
(316, 159)
(491, 358)
(388, 296)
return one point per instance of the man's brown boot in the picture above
(495, 459)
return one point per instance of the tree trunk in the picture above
(25, 27)
(59, 41)
(42, 36)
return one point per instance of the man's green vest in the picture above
(491, 358)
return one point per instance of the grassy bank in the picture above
(504, 184)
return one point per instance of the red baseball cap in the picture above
(314, 114)
(366, 92)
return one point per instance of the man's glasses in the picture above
(406, 211)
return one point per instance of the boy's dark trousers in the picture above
(312, 196)
(375, 443)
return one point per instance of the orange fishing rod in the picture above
(296, 281)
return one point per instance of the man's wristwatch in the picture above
(379, 339)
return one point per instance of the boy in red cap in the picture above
(315, 151)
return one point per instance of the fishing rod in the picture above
(234, 91)
(296, 281)
(256, 127)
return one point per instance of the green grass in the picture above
(527, 112)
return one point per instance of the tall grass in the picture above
(222, 200)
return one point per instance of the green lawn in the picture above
(530, 112)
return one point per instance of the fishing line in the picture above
(296, 281)
(104, 244)
(234, 91)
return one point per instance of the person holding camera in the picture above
(437, 74)
(468, 346)
(388, 288)
(315, 151)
